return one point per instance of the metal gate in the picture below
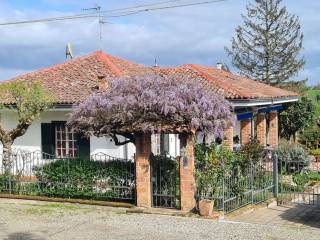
(299, 183)
(165, 179)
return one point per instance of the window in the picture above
(66, 141)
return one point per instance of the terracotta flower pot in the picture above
(206, 207)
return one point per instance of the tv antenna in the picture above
(98, 11)
(69, 52)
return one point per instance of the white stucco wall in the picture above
(31, 141)
(107, 146)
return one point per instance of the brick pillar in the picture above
(273, 129)
(245, 131)
(143, 181)
(187, 179)
(228, 138)
(262, 129)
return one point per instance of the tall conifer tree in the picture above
(268, 46)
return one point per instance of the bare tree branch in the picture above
(20, 130)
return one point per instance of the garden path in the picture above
(302, 216)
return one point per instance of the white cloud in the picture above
(187, 35)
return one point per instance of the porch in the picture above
(254, 123)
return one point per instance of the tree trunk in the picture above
(7, 154)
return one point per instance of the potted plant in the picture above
(206, 207)
(208, 173)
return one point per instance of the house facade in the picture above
(256, 106)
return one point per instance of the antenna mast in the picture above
(98, 9)
(69, 52)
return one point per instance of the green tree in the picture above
(296, 117)
(27, 100)
(267, 47)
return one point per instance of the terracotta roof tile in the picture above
(230, 85)
(74, 80)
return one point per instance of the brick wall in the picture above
(143, 184)
(228, 138)
(245, 131)
(273, 129)
(187, 179)
(262, 129)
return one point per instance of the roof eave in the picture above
(262, 102)
(234, 102)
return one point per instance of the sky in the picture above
(195, 34)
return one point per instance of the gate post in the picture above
(187, 179)
(275, 176)
(143, 179)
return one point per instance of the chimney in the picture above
(102, 83)
(220, 66)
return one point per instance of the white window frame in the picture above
(70, 140)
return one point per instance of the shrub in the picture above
(291, 157)
(210, 166)
(3, 180)
(302, 179)
(222, 173)
(251, 152)
(85, 178)
(310, 137)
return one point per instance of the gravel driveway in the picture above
(27, 220)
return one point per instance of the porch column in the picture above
(245, 131)
(143, 181)
(187, 179)
(262, 129)
(228, 138)
(273, 129)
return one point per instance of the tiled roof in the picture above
(74, 80)
(230, 85)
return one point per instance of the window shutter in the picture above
(83, 147)
(164, 143)
(47, 138)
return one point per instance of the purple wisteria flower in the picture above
(152, 103)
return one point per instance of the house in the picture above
(256, 105)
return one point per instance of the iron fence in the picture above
(299, 182)
(240, 185)
(101, 177)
